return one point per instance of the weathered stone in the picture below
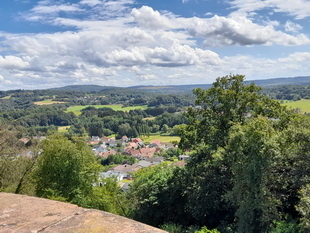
(19, 213)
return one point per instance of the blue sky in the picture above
(49, 43)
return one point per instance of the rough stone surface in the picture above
(19, 213)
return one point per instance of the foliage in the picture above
(154, 195)
(65, 169)
(250, 150)
(118, 159)
(228, 102)
(15, 170)
(109, 197)
(304, 207)
(286, 227)
(206, 230)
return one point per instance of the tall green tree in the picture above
(156, 196)
(66, 170)
(251, 149)
(227, 102)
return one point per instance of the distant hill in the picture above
(172, 89)
(86, 88)
(302, 80)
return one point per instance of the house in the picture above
(25, 140)
(142, 153)
(101, 148)
(106, 154)
(144, 163)
(125, 139)
(105, 139)
(120, 175)
(127, 168)
(155, 160)
(155, 143)
(184, 157)
(132, 145)
(138, 141)
(167, 145)
(95, 138)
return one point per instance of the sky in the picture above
(49, 43)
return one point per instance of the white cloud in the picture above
(147, 17)
(12, 62)
(292, 27)
(298, 8)
(240, 30)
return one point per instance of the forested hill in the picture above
(86, 88)
(302, 80)
(171, 89)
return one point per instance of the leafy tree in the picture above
(304, 207)
(66, 170)
(109, 197)
(250, 150)
(156, 197)
(227, 102)
(15, 170)
(224, 162)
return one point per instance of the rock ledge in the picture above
(19, 213)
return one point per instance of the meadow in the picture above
(48, 102)
(161, 138)
(63, 129)
(116, 107)
(303, 105)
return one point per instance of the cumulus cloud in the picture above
(12, 62)
(240, 30)
(292, 27)
(147, 17)
(299, 8)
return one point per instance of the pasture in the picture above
(303, 105)
(160, 138)
(63, 129)
(48, 102)
(116, 107)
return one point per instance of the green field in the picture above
(161, 138)
(77, 108)
(48, 102)
(63, 129)
(303, 105)
(6, 97)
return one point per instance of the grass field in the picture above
(303, 104)
(161, 138)
(6, 97)
(48, 102)
(77, 108)
(63, 129)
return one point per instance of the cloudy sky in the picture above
(51, 43)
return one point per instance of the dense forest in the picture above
(248, 170)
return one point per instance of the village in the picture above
(144, 154)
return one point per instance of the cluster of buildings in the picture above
(135, 147)
(145, 155)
